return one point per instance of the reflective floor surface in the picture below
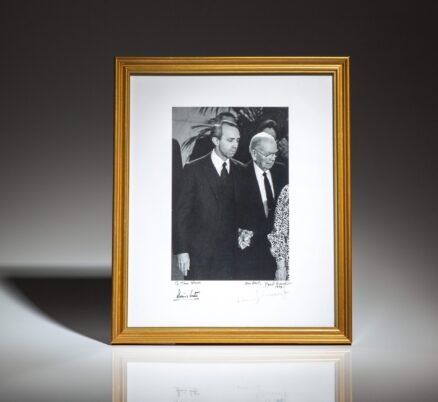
(55, 347)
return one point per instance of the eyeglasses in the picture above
(267, 156)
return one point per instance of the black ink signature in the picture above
(193, 295)
(277, 284)
(252, 283)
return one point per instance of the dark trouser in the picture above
(217, 265)
(256, 263)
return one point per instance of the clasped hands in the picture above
(244, 238)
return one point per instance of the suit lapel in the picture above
(212, 177)
(275, 183)
(234, 171)
(256, 190)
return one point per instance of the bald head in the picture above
(263, 150)
(259, 139)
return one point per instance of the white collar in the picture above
(259, 172)
(218, 162)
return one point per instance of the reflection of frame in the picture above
(232, 201)
(201, 374)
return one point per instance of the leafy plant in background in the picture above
(248, 119)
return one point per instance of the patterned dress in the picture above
(279, 237)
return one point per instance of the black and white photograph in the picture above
(126, 243)
(230, 193)
(230, 198)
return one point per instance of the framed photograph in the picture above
(199, 374)
(232, 201)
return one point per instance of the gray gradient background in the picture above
(56, 119)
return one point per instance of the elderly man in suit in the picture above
(264, 180)
(206, 220)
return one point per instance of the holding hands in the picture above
(244, 239)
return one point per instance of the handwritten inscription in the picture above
(192, 294)
(276, 284)
(263, 289)
(186, 283)
(268, 284)
(187, 290)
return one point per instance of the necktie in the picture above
(224, 171)
(269, 195)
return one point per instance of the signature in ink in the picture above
(265, 289)
(185, 295)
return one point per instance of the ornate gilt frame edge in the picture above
(341, 333)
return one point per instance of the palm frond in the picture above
(204, 132)
(213, 110)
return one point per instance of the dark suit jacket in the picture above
(199, 214)
(256, 262)
(177, 171)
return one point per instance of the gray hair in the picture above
(259, 138)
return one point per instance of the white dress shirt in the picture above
(261, 181)
(218, 163)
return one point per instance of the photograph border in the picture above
(338, 68)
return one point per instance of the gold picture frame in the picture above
(337, 70)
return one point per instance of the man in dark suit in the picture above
(206, 221)
(264, 179)
(177, 171)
